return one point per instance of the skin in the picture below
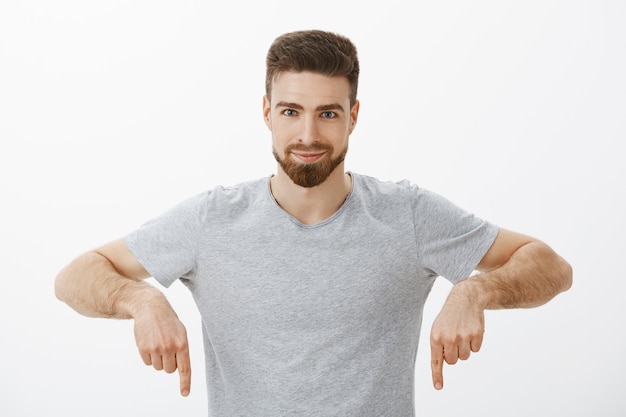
(108, 282)
(517, 272)
(298, 112)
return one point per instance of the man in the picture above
(311, 282)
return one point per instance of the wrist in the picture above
(135, 298)
(471, 291)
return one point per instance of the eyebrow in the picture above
(323, 107)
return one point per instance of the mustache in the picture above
(312, 148)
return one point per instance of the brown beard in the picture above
(310, 175)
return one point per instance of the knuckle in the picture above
(143, 350)
(171, 346)
(167, 349)
(437, 334)
(181, 345)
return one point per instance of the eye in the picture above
(289, 112)
(328, 115)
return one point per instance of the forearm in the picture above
(92, 287)
(531, 277)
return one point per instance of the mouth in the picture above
(308, 157)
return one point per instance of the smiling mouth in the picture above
(308, 157)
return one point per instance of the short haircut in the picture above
(317, 51)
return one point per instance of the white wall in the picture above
(111, 112)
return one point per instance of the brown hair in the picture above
(316, 51)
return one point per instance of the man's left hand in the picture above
(457, 331)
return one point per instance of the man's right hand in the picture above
(108, 282)
(162, 342)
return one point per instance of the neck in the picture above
(315, 204)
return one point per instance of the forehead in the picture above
(309, 88)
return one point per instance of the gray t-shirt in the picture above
(312, 320)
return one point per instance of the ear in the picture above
(354, 115)
(267, 112)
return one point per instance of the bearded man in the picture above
(311, 282)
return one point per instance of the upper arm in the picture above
(503, 247)
(122, 259)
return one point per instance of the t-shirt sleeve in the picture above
(167, 246)
(451, 241)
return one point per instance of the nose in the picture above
(310, 130)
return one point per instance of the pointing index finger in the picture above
(184, 371)
(436, 364)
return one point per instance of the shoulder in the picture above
(374, 186)
(227, 195)
(381, 193)
(238, 193)
(370, 188)
(221, 200)
(382, 199)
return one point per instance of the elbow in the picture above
(61, 286)
(560, 272)
(567, 275)
(66, 283)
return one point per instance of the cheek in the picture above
(279, 138)
(339, 133)
(282, 131)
